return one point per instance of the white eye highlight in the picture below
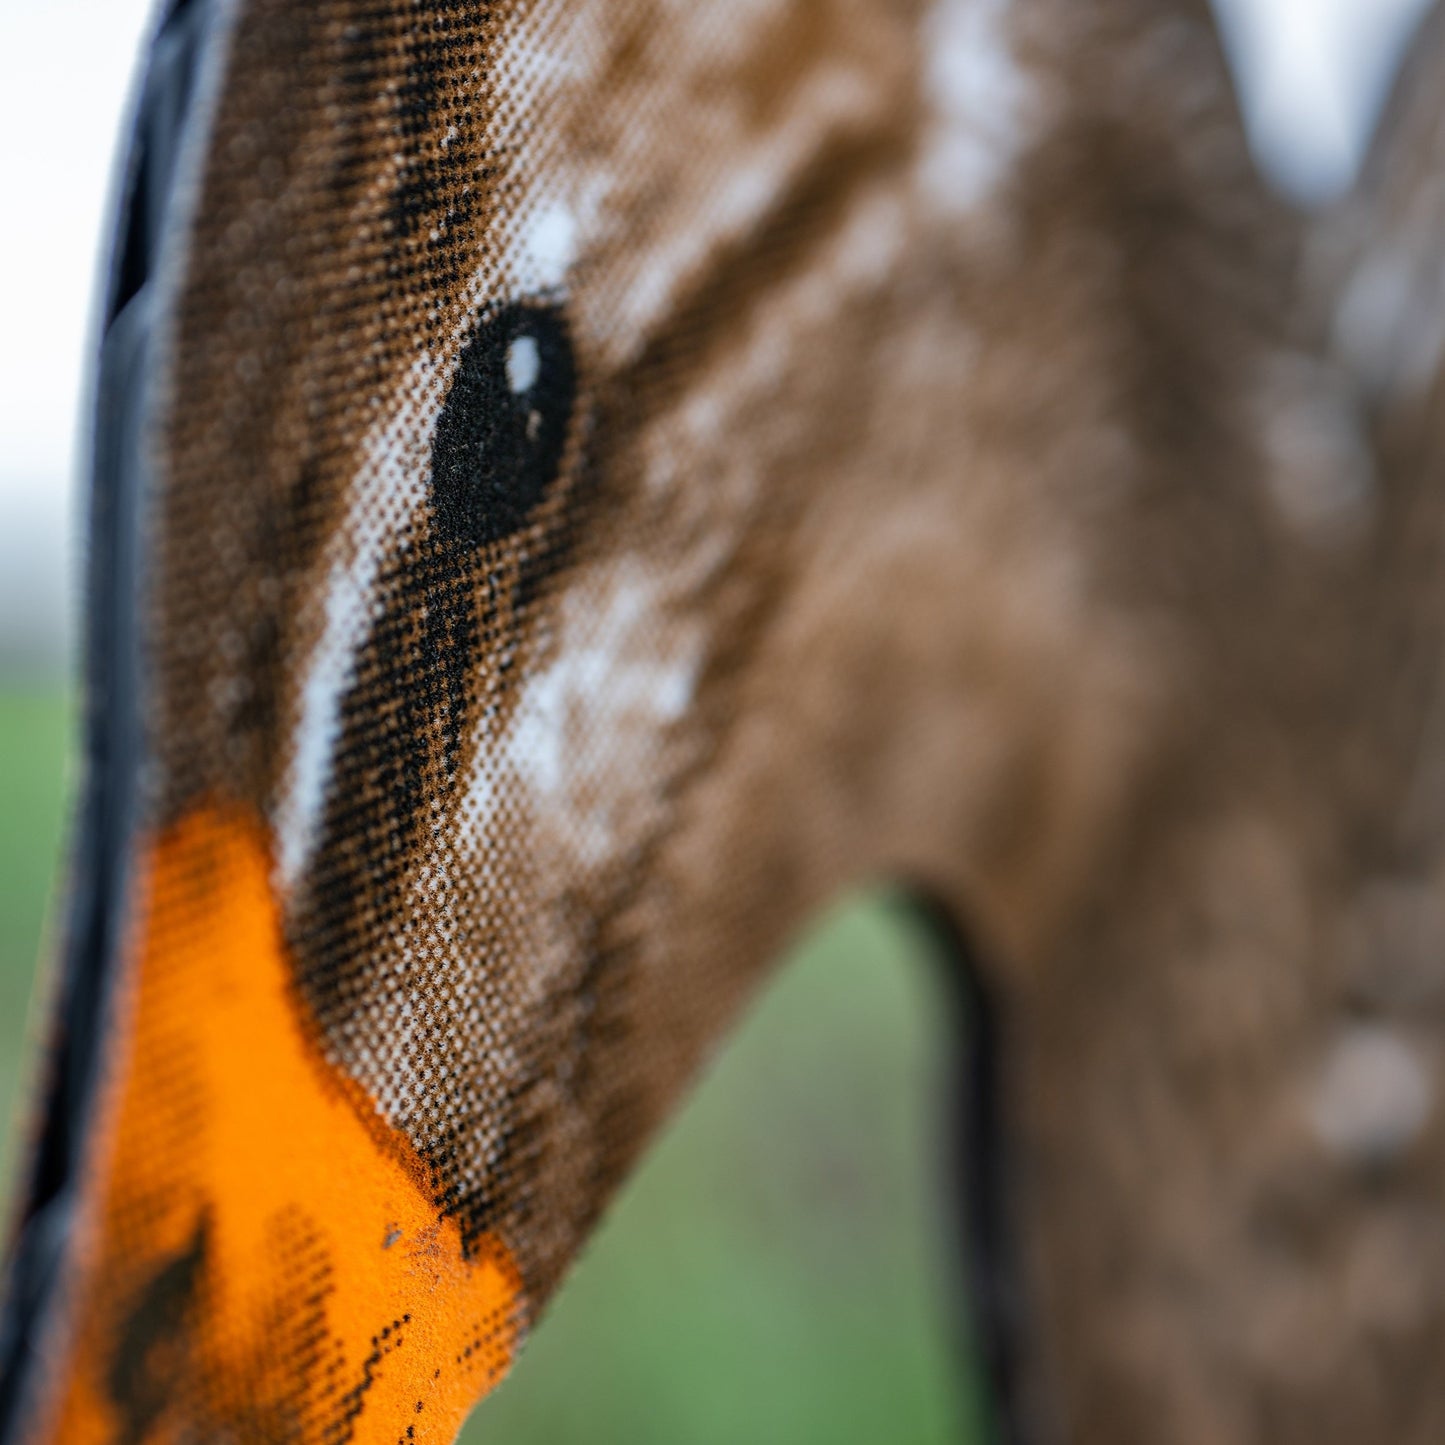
(523, 363)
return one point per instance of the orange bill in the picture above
(261, 1256)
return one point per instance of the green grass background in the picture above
(777, 1270)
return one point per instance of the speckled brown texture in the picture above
(959, 489)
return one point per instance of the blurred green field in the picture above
(776, 1272)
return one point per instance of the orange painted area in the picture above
(262, 1257)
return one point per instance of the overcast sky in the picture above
(1310, 71)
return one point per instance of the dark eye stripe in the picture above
(497, 450)
(500, 436)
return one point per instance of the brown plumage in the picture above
(624, 474)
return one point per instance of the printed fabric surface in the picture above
(580, 485)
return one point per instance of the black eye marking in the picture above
(406, 713)
(500, 436)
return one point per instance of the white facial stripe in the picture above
(618, 672)
(390, 489)
(744, 188)
(390, 485)
(983, 104)
(548, 247)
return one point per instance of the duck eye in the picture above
(503, 427)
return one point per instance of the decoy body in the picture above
(581, 484)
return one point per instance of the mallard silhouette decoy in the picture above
(578, 486)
